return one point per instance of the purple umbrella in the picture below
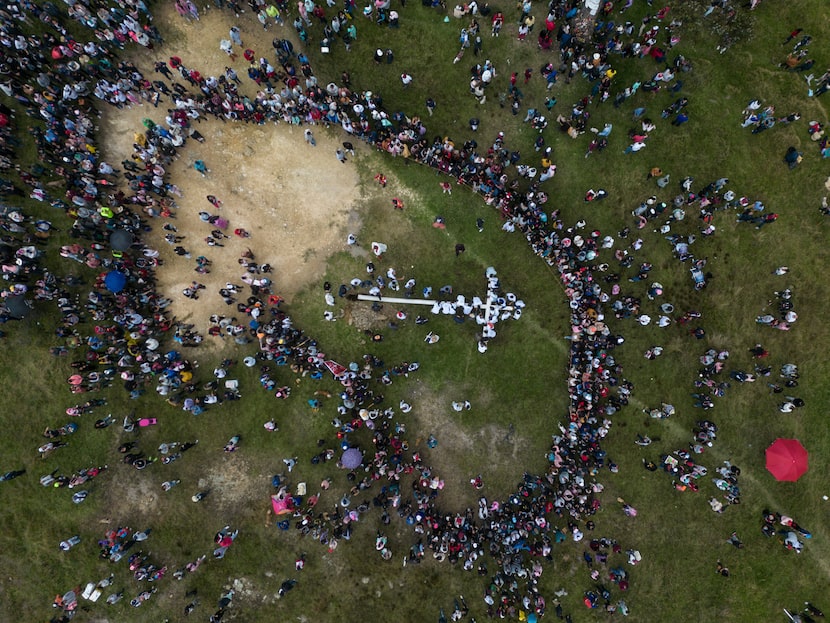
(351, 458)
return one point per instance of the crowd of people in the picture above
(121, 327)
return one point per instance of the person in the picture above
(70, 543)
(341, 155)
(142, 535)
(680, 119)
(201, 167)
(235, 35)
(309, 138)
(635, 147)
(227, 46)
(286, 586)
(379, 248)
(12, 475)
(629, 510)
(734, 540)
(792, 157)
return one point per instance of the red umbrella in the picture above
(787, 459)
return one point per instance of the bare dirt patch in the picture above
(288, 195)
(297, 201)
(230, 483)
(131, 497)
(461, 444)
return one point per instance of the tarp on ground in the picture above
(335, 368)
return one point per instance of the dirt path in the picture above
(298, 202)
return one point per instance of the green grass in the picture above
(519, 382)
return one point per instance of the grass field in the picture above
(517, 389)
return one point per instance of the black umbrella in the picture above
(17, 306)
(121, 240)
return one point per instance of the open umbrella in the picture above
(121, 240)
(351, 458)
(17, 306)
(115, 281)
(787, 459)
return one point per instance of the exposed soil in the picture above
(297, 202)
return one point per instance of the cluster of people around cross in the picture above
(120, 327)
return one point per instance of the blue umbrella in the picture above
(115, 281)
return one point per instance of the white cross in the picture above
(492, 308)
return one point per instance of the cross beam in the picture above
(493, 306)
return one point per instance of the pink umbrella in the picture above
(787, 459)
